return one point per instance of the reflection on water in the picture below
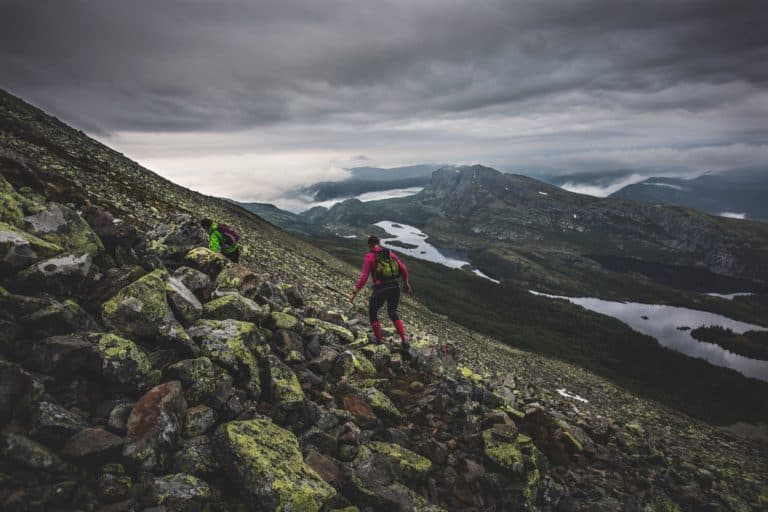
(663, 321)
(421, 249)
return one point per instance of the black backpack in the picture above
(387, 269)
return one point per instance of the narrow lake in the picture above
(662, 322)
(418, 247)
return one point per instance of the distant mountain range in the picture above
(741, 193)
(362, 180)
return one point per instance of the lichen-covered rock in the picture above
(351, 363)
(198, 282)
(52, 424)
(204, 382)
(172, 239)
(18, 390)
(324, 362)
(235, 278)
(179, 492)
(266, 463)
(122, 361)
(343, 334)
(19, 249)
(200, 419)
(26, 453)
(411, 465)
(195, 457)
(141, 310)
(92, 445)
(236, 307)
(232, 344)
(64, 227)
(63, 274)
(10, 204)
(280, 320)
(154, 426)
(282, 385)
(59, 318)
(381, 404)
(516, 455)
(206, 261)
(183, 302)
(113, 485)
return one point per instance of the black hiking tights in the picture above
(390, 295)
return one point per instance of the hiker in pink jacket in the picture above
(386, 269)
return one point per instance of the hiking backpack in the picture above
(387, 268)
(229, 236)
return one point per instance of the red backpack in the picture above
(229, 236)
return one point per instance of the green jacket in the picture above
(216, 239)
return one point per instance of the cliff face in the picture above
(139, 370)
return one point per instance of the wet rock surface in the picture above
(125, 395)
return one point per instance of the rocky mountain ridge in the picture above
(140, 371)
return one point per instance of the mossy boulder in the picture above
(154, 426)
(52, 424)
(179, 492)
(19, 249)
(10, 204)
(63, 226)
(380, 403)
(280, 320)
(20, 451)
(123, 362)
(235, 278)
(206, 261)
(195, 457)
(173, 238)
(233, 345)
(351, 363)
(141, 310)
(236, 307)
(203, 381)
(59, 318)
(343, 334)
(182, 301)
(515, 455)
(284, 389)
(61, 275)
(266, 462)
(411, 465)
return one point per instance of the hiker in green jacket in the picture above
(223, 238)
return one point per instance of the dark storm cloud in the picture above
(294, 91)
(194, 65)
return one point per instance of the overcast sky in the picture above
(247, 98)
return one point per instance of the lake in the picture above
(662, 323)
(421, 249)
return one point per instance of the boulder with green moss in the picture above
(343, 334)
(182, 301)
(352, 363)
(411, 465)
(154, 426)
(59, 318)
(235, 278)
(178, 492)
(19, 249)
(514, 454)
(52, 424)
(141, 310)
(173, 238)
(234, 345)
(266, 463)
(203, 381)
(10, 204)
(206, 261)
(236, 307)
(123, 362)
(381, 404)
(63, 226)
(22, 452)
(282, 385)
(281, 320)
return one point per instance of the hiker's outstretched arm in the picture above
(365, 272)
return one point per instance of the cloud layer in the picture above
(265, 95)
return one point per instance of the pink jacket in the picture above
(369, 265)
